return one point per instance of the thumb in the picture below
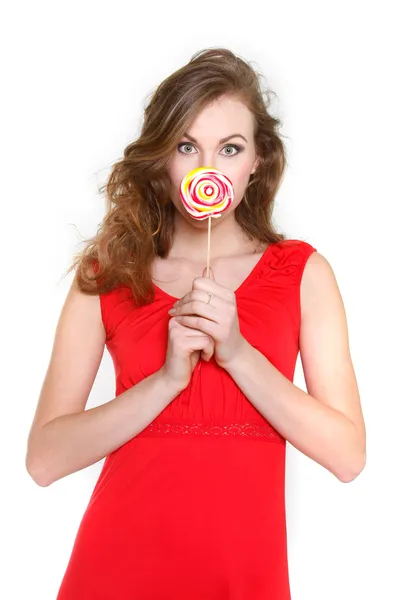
(211, 273)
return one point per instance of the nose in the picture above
(207, 160)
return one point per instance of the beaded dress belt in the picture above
(255, 431)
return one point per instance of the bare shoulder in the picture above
(322, 308)
(76, 354)
(324, 341)
(318, 278)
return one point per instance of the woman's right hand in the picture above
(185, 345)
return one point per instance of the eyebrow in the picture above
(225, 139)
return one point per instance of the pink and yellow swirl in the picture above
(206, 192)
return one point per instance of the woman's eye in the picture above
(237, 148)
(234, 146)
(183, 146)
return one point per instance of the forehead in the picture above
(220, 118)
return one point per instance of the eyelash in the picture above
(237, 148)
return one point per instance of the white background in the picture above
(75, 79)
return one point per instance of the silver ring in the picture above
(210, 297)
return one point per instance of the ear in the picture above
(256, 163)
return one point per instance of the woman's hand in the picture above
(218, 318)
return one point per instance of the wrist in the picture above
(171, 384)
(239, 357)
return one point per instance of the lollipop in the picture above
(206, 193)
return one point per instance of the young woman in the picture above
(190, 501)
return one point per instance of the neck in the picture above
(191, 238)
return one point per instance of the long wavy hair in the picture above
(139, 221)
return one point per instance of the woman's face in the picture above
(221, 137)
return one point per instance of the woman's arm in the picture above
(72, 442)
(64, 437)
(327, 423)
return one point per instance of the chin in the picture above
(203, 223)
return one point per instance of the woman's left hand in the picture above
(218, 318)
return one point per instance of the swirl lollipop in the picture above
(206, 193)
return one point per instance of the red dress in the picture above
(193, 507)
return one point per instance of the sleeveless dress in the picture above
(193, 507)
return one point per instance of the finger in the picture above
(196, 308)
(207, 326)
(209, 285)
(200, 295)
(210, 273)
(190, 331)
(208, 351)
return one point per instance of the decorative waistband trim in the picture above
(255, 431)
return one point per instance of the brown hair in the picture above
(139, 221)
